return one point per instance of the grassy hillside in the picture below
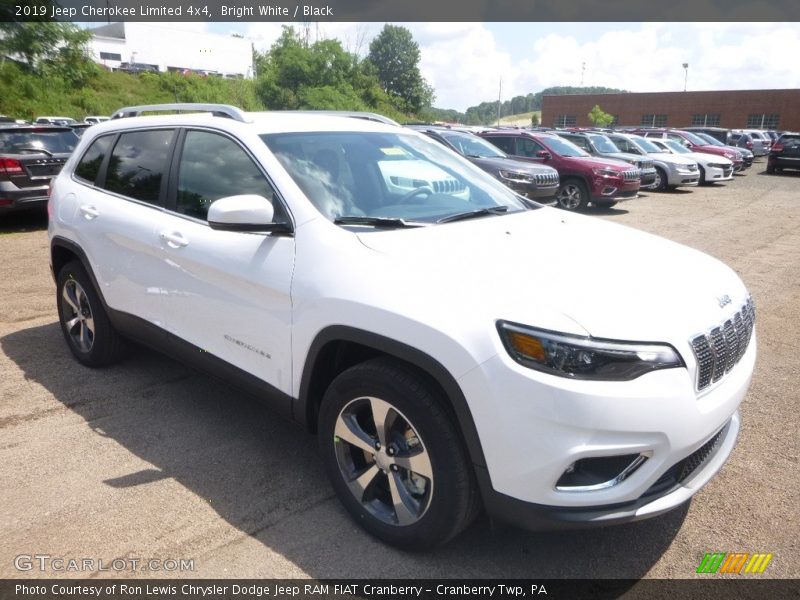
(521, 119)
(27, 96)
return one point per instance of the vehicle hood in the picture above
(599, 162)
(714, 150)
(494, 163)
(624, 156)
(556, 270)
(667, 157)
(705, 157)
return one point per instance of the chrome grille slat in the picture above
(718, 350)
(720, 353)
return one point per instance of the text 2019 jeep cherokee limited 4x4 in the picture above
(453, 348)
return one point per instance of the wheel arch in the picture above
(339, 347)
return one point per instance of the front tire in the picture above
(703, 180)
(572, 195)
(394, 456)
(84, 322)
(660, 184)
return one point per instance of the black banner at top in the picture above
(401, 10)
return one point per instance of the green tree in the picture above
(50, 49)
(396, 56)
(599, 118)
(535, 119)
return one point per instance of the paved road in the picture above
(150, 460)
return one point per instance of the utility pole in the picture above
(583, 70)
(499, 95)
(686, 76)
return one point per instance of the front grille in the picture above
(727, 171)
(444, 186)
(681, 470)
(546, 179)
(631, 175)
(718, 350)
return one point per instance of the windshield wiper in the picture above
(37, 150)
(381, 222)
(480, 212)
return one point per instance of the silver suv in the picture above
(672, 171)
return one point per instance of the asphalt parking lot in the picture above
(150, 460)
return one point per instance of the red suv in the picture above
(584, 178)
(695, 143)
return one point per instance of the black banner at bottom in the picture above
(712, 587)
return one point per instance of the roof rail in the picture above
(356, 114)
(218, 110)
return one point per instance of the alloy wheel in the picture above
(383, 461)
(77, 315)
(570, 196)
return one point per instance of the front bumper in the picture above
(683, 178)
(533, 427)
(662, 497)
(719, 174)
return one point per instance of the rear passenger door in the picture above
(226, 293)
(124, 179)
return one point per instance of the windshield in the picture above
(53, 142)
(472, 145)
(383, 175)
(562, 146)
(710, 139)
(675, 147)
(697, 141)
(603, 144)
(644, 144)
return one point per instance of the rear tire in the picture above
(89, 334)
(394, 456)
(770, 168)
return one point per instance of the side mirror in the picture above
(544, 154)
(248, 212)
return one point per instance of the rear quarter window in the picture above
(89, 166)
(138, 163)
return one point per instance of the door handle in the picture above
(174, 239)
(89, 212)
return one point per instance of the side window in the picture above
(580, 142)
(89, 166)
(528, 147)
(211, 167)
(623, 144)
(675, 137)
(138, 163)
(506, 144)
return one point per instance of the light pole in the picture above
(686, 75)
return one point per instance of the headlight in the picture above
(605, 172)
(729, 155)
(584, 358)
(516, 176)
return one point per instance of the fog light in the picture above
(598, 473)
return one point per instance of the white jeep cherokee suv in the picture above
(454, 347)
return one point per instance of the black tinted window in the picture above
(90, 163)
(212, 167)
(27, 141)
(138, 163)
(506, 144)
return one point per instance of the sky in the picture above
(466, 62)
